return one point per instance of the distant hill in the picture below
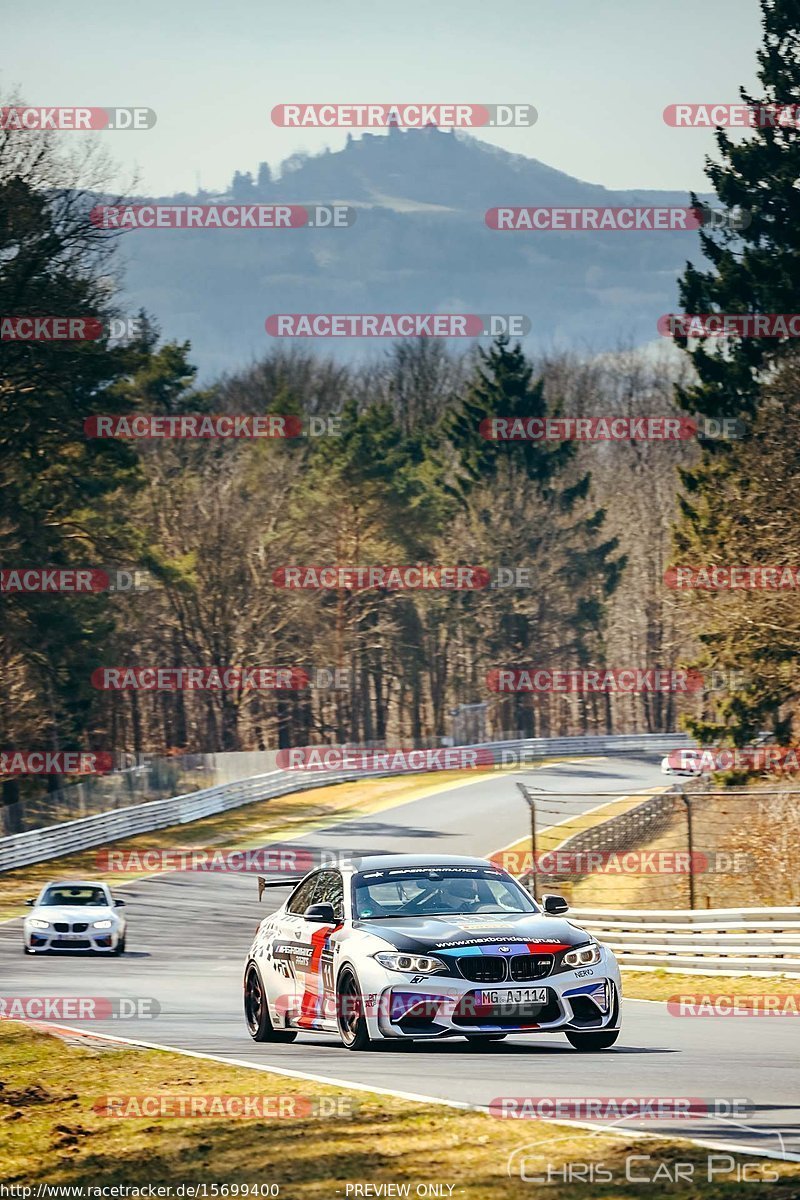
(419, 244)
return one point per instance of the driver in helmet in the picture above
(457, 895)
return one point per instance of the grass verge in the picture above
(663, 985)
(50, 1089)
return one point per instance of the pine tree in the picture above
(503, 386)
(63, 494)
(753, 270)
(526, 504)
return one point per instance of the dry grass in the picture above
(663, 985)
(49, 1089)
(763, 831)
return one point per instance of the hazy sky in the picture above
(600, 75)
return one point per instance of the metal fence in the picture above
(618, 834)
(148, 779)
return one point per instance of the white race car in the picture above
(75, 915)
(681, 762)
(426, 946)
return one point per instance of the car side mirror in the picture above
(30, 903)
(555, 905)
(119, 903)
(321, 914)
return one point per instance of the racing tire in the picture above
(27, 950)
(256, 1011)
(350, 1013)
(593, 1041)
(599, 1039)
(120, 946)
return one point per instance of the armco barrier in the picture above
(713, 940)
(38, 845)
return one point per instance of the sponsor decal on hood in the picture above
(528, 934)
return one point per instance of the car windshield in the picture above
(437, 892)
(74, 895)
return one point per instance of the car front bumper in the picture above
(101, 941)
(443, 1006)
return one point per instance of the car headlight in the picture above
(584, 956)
(424, 964)
(102, 924)
(35, 923)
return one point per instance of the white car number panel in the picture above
(512, 996)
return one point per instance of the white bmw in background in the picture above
(681, 762)
(426, 946)
(75, 915)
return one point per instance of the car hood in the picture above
(72, 912)
(527, 931)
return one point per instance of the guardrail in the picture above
(713, 940)
(38, 845)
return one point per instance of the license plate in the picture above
(512, 996)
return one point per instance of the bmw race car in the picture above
(426, 946)
(75, 915)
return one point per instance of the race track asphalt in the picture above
(189, 933)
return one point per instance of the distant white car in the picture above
(698, 761)
(681, 762)
(75, 915)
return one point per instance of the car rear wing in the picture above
(263, 884)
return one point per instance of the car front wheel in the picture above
(256, 1011)
(593, 1041)
(350, 1013)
